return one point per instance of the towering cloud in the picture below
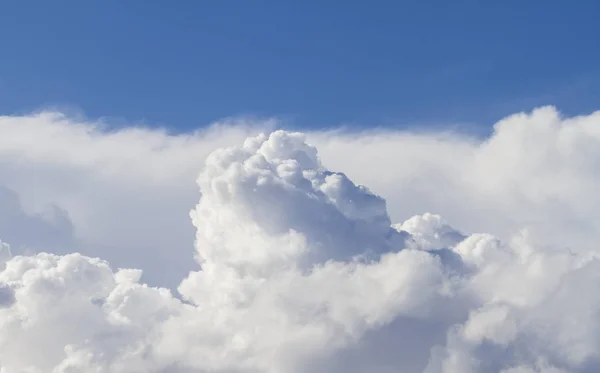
(298, 269)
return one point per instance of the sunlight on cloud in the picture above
(297, 268)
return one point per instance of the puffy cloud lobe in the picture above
(302, 270)
(274, 186)
(72, 313)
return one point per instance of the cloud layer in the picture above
(297, 268)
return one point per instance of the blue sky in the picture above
(183, 64)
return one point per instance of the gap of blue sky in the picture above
(315, 64)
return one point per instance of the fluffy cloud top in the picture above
(297, 268)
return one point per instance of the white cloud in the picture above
(127, 192)
(302, 270)
(536, 171)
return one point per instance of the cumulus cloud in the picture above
(299, 268)
(535, 171)
(126, 192)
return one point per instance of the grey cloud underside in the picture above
(51, 231)
(302, 270)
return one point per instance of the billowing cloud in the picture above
(294, 267)
(536, 171)
(298, 268)
(125, 192)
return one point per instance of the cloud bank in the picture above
(296, 267)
